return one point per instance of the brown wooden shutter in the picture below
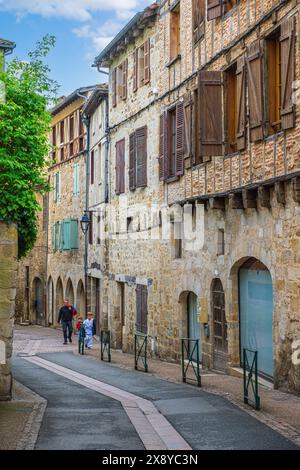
(162, 147)
(255, 91)
(198, 19)
(147, 61)
(241, 103)
(210, 105)
(135, 70)
(120, 167)
(124, 79)
(188, 112)
(141, 157)
(214, 9)
(179, 138)
(287, 45)
(132, 162)
(114, 87)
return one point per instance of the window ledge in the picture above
(276, 135)
(172, 179)
(172, 61)
(231, 155)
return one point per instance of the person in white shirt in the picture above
(89, 330)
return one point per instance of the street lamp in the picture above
(84, 223)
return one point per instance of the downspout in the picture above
(86, 121)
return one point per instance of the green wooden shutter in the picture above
(59, 186)
(60, 235)
(66, 234)
(74, 242)
(54, 238)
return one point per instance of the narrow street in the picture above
(95, 405)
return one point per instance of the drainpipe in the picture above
(86, 121)
(107, 143)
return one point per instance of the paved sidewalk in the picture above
(280, 410)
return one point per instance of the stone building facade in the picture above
(204, 116)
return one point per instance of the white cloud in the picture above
(79, 10)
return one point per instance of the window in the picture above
(138, 158)
(62, 154)
(72, 127)
(177, 239)
(141, 65)
(62, 132)
(68, 236)
(141, 309)
(175, 32)
(57, 186)
(221, 242)
(119, 83)
(129, 224)
(231, 109)
(273, 83)
(92, 167)
(54, 143)
(217, 8)
(198, 19)
(120, 166)
(171, 152)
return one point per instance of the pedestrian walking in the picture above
(89, 325)
(65, 317)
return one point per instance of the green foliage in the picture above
(24, 127)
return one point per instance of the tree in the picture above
(24, 143)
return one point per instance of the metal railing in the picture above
(251, 378)
(81, 341)
(105, 345)
(140, 352)
(190, 350)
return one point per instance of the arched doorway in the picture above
(50, 296)
(70, 292)
(80, 299)
(220, 340)
(59, 297)
(256, 313)
(38, 301)
(194, 331)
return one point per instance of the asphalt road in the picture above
(78, 418)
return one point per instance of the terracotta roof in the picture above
(66, 101)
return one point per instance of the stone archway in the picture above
(38, 301)
(191, 327)
(70, 292)
(59, 297)
(80, 299)
(50, 301)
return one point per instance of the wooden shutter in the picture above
(179, 138)
(255, 91)
(135, 70)
(120, 166)
(74, 234)
(198, 19)
(188, 110)
(60, 236)
(241, 103)
(91, 228)
(214, 9)
(138, 324)
(114, 87)
(211, 121)
(287, 46)
(147, 61)
(54, 238)
(66, 229)
(132, 162)
(161, 159)
(59, 185)
(141, 157)
(124, 79)
(144, 313)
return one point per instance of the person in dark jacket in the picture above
(65, 317)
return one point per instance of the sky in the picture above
(82, 29)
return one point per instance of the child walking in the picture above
(89, 330)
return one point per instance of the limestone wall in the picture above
(8, 274)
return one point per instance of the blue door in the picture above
(256, 315)
(194, 325)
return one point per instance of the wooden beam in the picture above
(217, 203)
(236, 201)
(280, 192)
(249, 198)
(296, 189)
(263, 195)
